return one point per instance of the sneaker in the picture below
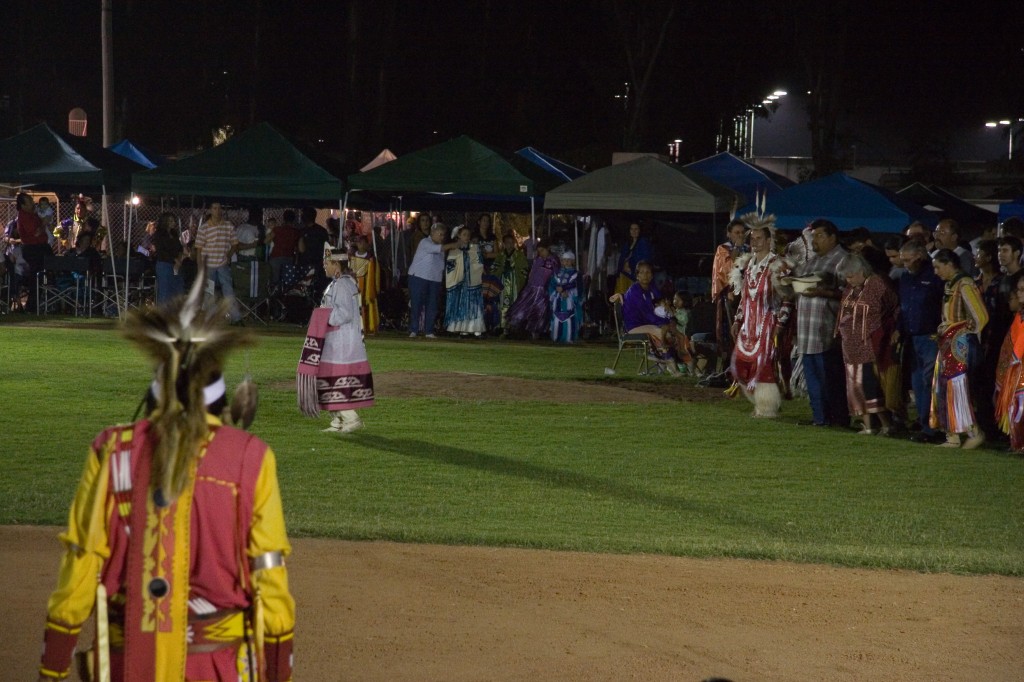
(974, 441)
(431, 336)
(412, 335)
(866, 432)
(352, 426)
(334, 427)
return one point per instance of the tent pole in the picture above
(128, 255)
(533, 224)
(341, 222)
(104, 217)
(576, 239)
(341, 229)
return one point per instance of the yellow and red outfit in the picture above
(364, 269)
(964, 316)
(197, 588)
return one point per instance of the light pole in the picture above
(1009, 125)
(770, 100)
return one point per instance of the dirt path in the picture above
(385, 611)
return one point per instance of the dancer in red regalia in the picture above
(764, 310)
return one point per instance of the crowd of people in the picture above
(861, 329)
(490, 287)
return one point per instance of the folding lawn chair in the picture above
(640, 343)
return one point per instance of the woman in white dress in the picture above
(334, 356)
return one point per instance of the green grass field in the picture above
(677, 478)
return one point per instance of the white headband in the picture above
(211, 394)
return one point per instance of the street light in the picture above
(1009, 125)
(768, 100)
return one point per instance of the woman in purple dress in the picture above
(532, 310)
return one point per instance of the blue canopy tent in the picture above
(1012, 209)
(550, 164)
(948, 205)
(137, 153)
(847, 202)
(735, 173)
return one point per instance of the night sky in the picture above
(354, 77)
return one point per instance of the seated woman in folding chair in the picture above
(639, 316)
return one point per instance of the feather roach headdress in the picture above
(189, 344)
(760, 221)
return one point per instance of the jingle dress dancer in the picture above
(334, 373)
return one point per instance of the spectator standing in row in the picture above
(215, 244)
(248, 236)
(485, 239)
(721, 291)
(990, 283)
(1009, 396)
(285, 242)
(867, 319)
(363, 266)
(566, 301)
(311, 249)
(169, 255)
(947, 236)
(532, 310)
(815, 331)
(510, 268)
(1009, 255)
(637, 250)
(34, 243)
(464, 301)
(963, 319)
(425, 274)
(921, 292)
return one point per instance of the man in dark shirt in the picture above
(920, 314)
(311, 249)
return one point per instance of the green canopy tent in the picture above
(458, 173)
(260, 163)
(42, 156)
(645, 184)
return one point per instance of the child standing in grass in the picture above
(566, 310)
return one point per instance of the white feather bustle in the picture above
(767, 400)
